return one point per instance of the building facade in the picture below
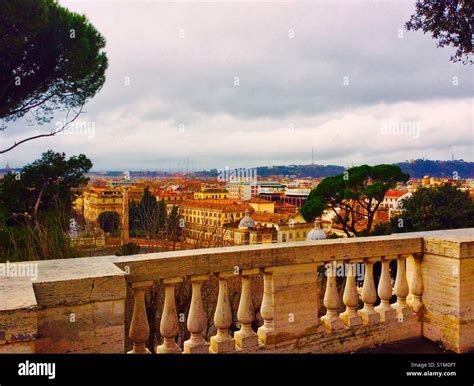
(211, 223)
(289, 228)
(212, 193)
(98, 200)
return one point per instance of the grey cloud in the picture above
(283, 81)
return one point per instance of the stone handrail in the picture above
(157, 266)
(433, 269)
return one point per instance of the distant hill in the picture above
(297, 171)
(300, 170)
(419, 168)
(416, 168)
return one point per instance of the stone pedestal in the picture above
(292, 295)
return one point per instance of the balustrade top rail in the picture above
(155, 266)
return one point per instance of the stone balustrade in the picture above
(318, 296)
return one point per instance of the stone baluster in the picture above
(401, 290)
(169, 325)
(197, 319)
(351, 299)
(331, 320)
(369, 295)
(416, 283)
(139, 329)
(387, 313)
(246, 338)
(222, 342)
(265, 332)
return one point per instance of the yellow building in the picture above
(217, 222)
(98, 200)
(262, 205)
(110, 199)
(172, 197)
(291, 227)
(213, 212)
(78, 205)
(212, 193)
(205, 220)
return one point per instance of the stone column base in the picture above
(245, 342)
(220, 346)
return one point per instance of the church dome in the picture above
(246, 222)
(317, 233)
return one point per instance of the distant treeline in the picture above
(416, 168)
(300, 170)
(450, 169)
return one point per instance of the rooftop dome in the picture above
(317, 232)
(247, 221)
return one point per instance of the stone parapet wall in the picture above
(78, 305)
(352, 340)
(75, 305)
(448, 295)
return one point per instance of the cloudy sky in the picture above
(210, 84)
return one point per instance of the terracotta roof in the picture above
(258, 200)
(276, 218)
(169, 193)
(396, 193)
(283, 204)
(222, 205)
(103, 190)
(214, 190)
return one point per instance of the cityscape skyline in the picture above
(188, 169)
